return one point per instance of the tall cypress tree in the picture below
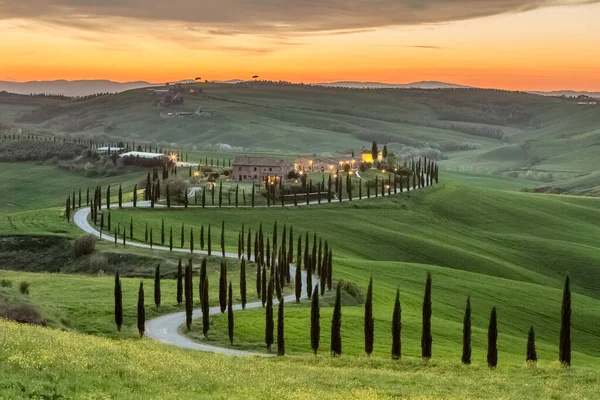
(135, 195)
(336, 324)
(141, 311)
(426, 339)
(202, 237)
(315, 321)
(108, 197)
(170, 238)
(309, 284)
(258, 281)
(466, 352)
(280, 329)
(269, 316)
(223, 287)
(205, 308)
(223, 238)
(531, 351)
(118, 302)
(162, 232)
(202, 278)
(243, 283)
(191, 240)
(565, 325)
(298, 284)
(249, 245)
(209, 245)
(182, 235)
(230, 314)
(189, 296)
(179, 283)
(263, 289)
(369, 321)
(120, 197)
(157, 286)
(492, 353)
(397, 328)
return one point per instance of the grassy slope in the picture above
(505, 249)
(41, 362)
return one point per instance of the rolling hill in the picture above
(549, 140)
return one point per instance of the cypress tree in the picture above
(329, 270)
(230, 314)
(531, 352)
(135, 195)
(109, 221)
(162, 232)
(189, 297)
(466, 352)
(108, 197)
(258, 281)
(101, 223)
(120, 197)
(269, 317)
(209, 241)
(315, 321)
(280, 329)
(68, 208)
(243, 283)
(118, 302)
(249, 245)
(263, 289)
(179, 283)
(565, 325)
(369, 323)
(157, 286)
(203, 197)
(223, 238)
(237, 189)
(191, 240)
(298, 284)
(253, 195)
(220, 194)
(336, 324)
(426, 339)
(170, 238)
(309, 285)
(291, 245)
(87, 197)
(492, 353)
(141, 311)
(202, 278)
(151, 241)
(205, 308)
(397, 328)
(223, 287)
(239, 245)
(202, 237)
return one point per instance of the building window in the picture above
(240, 168)
(255, 171)
(270, 169)
(255, 176)
(244, 176)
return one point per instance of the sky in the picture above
(506, 44)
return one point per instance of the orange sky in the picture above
(548, 48)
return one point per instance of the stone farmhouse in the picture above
(258, 169)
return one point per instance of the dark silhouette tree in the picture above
(258, 281)
(565, 325)
(135, 198)
(374, 151)
(118, 302)
(298, 284)
(189, 296)
(108, 197)
(179, 283)
(397, 328)
(263, 289)
(426, 339)
(120, 197)
(243, 283)
(269, 316)
(202, 278)
(531, 352)
(230, 314)
(182, 235)
(191, 240)
(315, 321)
(336, 324)
(170, 238)
(205, 308)
(281, 329)
(384, 152)
(157, 286)
(466, 352)
(209, 245)
(223, 238)
(223, 287)
(369, 321)
(141, 311)
(492, 352)
(202, 237)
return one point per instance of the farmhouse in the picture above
(367, 156)
(142, 154)
(258, 169)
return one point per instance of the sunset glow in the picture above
(550, 47)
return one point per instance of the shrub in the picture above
(84, 245)
(24, 287)
(23, 313)
(5, 283)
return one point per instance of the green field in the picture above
(480, 232)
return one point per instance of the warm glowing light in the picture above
(335, 175)
(331, 167)
(301, 172)
(310, 162)
(350, 173)
(196, 173)
(173, 157)
(383, 171)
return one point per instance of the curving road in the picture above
(166, 328)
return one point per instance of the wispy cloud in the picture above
(233, 17)
(425, 47)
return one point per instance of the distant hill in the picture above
(71, 88)
(382, 85)
(568, 93)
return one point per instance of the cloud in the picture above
(425, 47)
(233, 17)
